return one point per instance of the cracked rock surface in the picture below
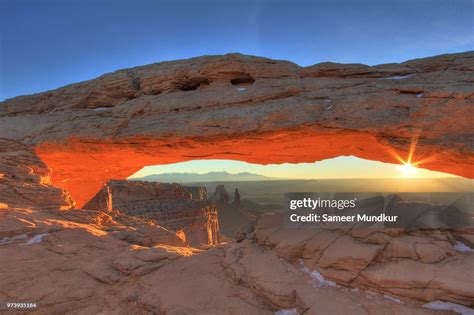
(417, 264)
(72, 262)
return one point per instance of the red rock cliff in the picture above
(172, 206)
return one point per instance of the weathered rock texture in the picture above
(415, 263)
(184, 210)
(25, 181)
(81, 264)
(245, 108)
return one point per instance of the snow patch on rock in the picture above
(319, 277)
(291, 311)
(36, 239)
(399, 77)
(394, 299)
(448, 306)
(463, 248)
(7, 240)
(100, 109)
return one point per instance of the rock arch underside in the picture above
(245, 108)
(59, 148)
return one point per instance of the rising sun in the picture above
(408, 170)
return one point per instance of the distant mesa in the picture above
(237, 203)
(207, 177)
(233, 214)
(220, 194)
(184, 210)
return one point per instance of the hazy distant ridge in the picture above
(208, 177)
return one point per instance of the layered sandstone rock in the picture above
(246, 108)
(181, 209)
(81, 266)
(25, 181)
(416, 263)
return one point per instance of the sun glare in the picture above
(408, 170)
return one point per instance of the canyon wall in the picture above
(172, 206)
(25, 181)
(244, 108)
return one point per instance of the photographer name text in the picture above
(333, 204)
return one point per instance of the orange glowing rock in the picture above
(95, 164)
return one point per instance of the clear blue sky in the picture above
(48, 44)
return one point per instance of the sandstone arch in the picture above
(235, 107)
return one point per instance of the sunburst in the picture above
(408, 167)
(408, 170)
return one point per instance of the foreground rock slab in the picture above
(80, 267)
(416, 264)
